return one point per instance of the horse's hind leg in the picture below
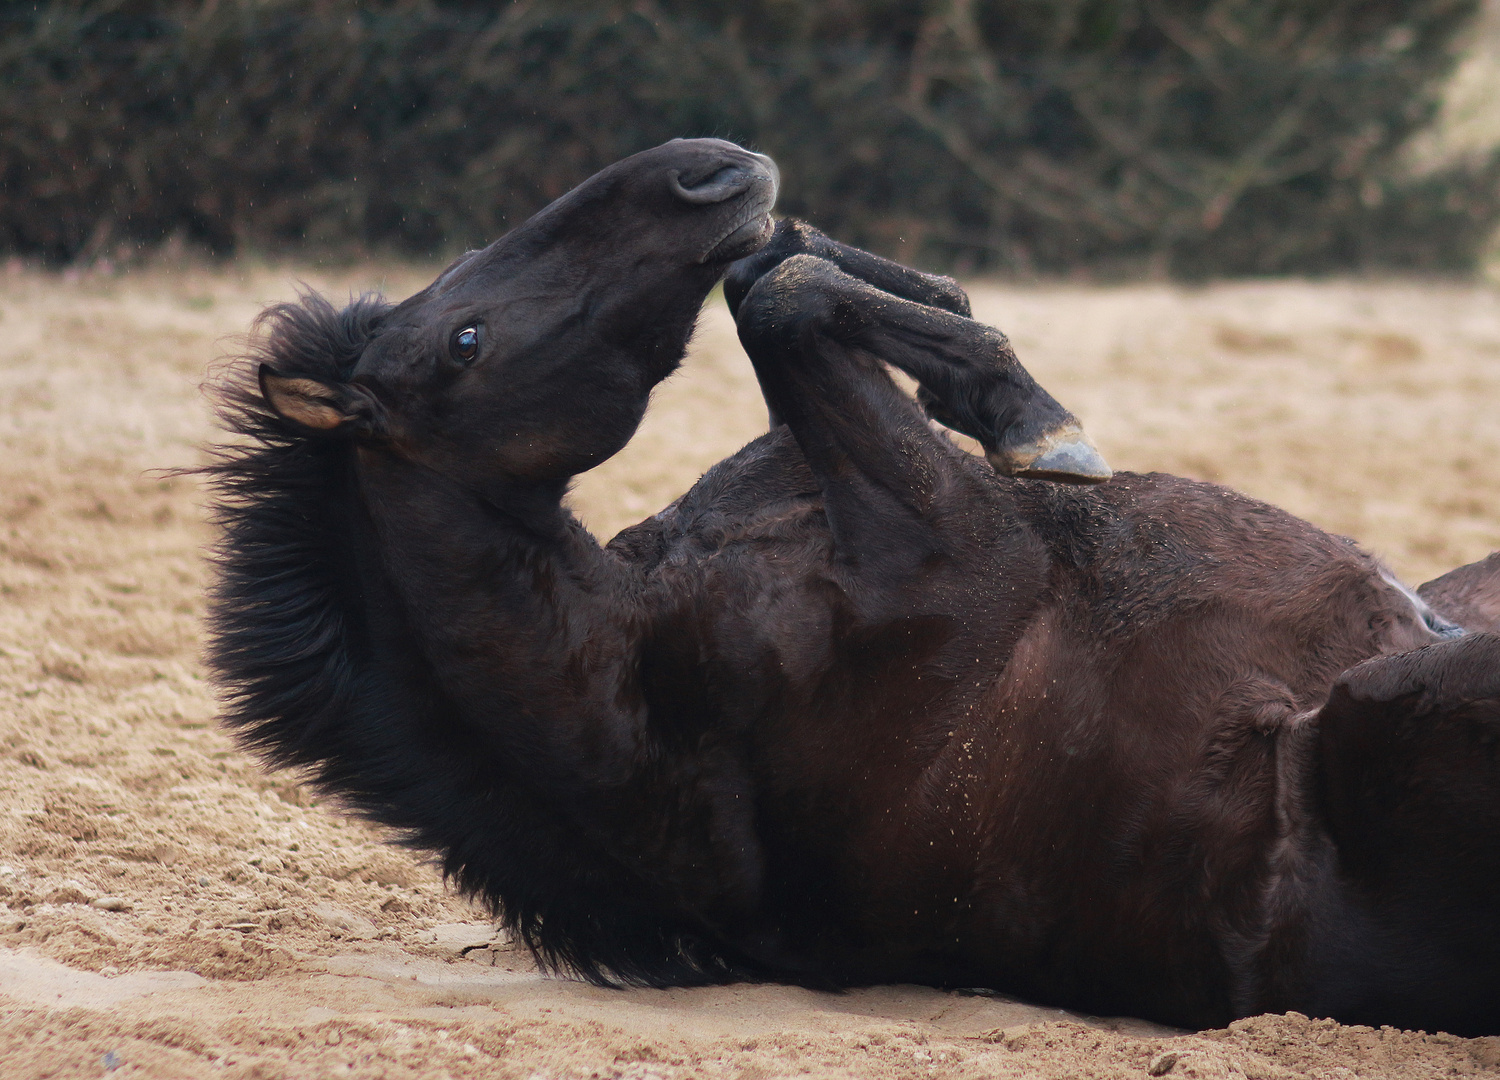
(1408, 784)
(965, 368)
(1468, 596)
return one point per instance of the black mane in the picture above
(318, 672)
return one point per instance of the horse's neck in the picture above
(532, 633)
(521, 616)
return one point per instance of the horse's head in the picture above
(533, 359)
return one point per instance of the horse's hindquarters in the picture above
(1409, 784)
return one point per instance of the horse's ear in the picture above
(321, 406)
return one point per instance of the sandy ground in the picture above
(168, 909)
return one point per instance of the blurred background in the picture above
(1099, 138)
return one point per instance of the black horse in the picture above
(860, 706)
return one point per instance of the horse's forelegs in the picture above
(793, 237)
(967, 367)
(968, 376)
(880, 467)
(1408, 783)
(892, 489)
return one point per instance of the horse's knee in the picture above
(948, 295)
(790, 239)
(799, 295)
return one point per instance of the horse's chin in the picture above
(745, 239)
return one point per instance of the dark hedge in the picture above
(1195, 137)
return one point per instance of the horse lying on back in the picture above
(858, 707)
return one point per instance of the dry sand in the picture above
(168, 909)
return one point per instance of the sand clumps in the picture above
(168, 909)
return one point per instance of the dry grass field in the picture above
(167, 909)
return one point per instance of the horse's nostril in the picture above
(719, 186)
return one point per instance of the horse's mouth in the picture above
(743, 239)
(750, 229)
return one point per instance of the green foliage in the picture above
(1187, 136)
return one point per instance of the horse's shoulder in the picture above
(762, 494)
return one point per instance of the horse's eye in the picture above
(466, 344)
